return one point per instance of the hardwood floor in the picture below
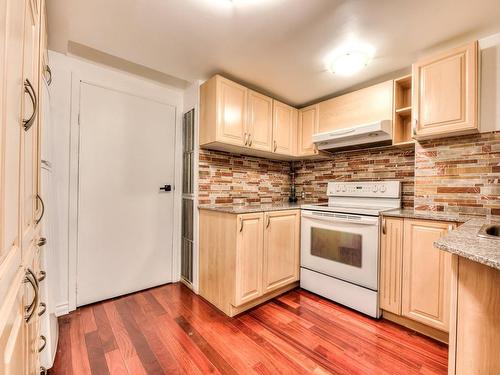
(170, 330)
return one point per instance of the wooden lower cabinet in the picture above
(281, 249)
(246, 259)
(249, 247)
(415, 277)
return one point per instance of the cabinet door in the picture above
(426, 274)
(445, 90)
(284, 128)
(391, 257)
(281, 248)
(248, 258)
(13, 330)
(29, 164)
(307, 126)
(231, 112)
(359, 107)
(11, 95)
(260, 121)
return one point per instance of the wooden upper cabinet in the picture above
(308, 124)
(359, 107)
(391, 258)
(284, 128)
(281, 248)
(248, 272)
(223, 112)
(260, 121)
(427, 275)
(445, 93)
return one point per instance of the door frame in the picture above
(74, 152)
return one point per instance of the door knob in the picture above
(166, 188)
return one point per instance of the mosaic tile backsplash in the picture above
(458, 174)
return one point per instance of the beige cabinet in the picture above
(247, 259)
(260, 121)
(426, 274)
(223, 112)
(284, 128)
(308, 125)
(281, 249)
(13, 329)
(445, 93)
(249, 248)
(20, 73)
(391, 257)
(359, 107)
(415, 277)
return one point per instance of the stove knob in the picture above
(375, 188)
(382, 188)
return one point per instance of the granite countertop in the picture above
(465, 242)
(250, 208)
(428, 215)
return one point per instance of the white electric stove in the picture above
(340, 242)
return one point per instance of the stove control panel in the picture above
(372, 189)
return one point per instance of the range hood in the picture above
(367, 135)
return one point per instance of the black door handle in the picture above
(166, 188)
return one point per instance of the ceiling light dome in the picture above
(348, 63)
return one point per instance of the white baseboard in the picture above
(62, 309)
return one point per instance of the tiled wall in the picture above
(238, 179)
(366, 165)
(459, 174)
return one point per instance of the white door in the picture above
(125, 221)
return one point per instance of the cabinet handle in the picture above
(384, 231)
(43, 305)
(275, 146)
(268, 221)
(42, 277)
(43, 208)
(450, 227)
(48, 70)
(28, 88)
(414, 127)
(44, 339)
(43, 370)
(246, 138)
(241, 224)
(250, 140)
(41, 241)
(30, 309)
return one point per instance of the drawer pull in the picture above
(44, 339)
(30, 309)
(42, 276)
(28, 88)
(43, 305)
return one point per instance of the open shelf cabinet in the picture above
(402, 110)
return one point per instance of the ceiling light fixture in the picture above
(349, 58)
(349, 63)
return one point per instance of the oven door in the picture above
(343, 246)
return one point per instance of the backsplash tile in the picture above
(456, 175)
(391, 163)
(237, 179)
(459, 174)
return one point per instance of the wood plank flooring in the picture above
(170, 330)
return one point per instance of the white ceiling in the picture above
(276, 45)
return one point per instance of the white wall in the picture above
(65, 70)
(490, 83)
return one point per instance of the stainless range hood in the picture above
(367, 135)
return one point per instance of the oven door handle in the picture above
(336, 219)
